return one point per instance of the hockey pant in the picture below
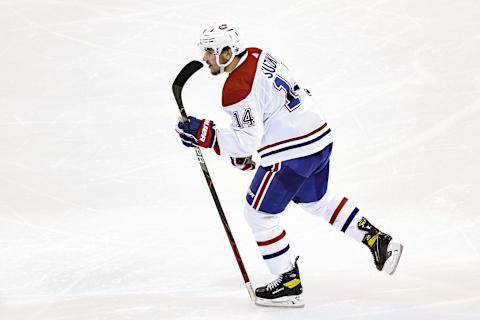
(303, 181)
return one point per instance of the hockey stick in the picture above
(178, 83)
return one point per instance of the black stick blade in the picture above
(187, 71)
(182, 77)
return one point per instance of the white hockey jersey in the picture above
(270, 113)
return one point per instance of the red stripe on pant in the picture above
(337, 211)
(263, 186)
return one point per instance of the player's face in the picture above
(209, 58)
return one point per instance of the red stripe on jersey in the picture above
(293, 139)
(337, 211)
(266, 243)
(239, 83)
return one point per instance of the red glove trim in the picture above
(206, 134)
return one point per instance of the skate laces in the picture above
(274, 283)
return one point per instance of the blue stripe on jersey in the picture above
(349, 220)
(276, 254)
(297, 145)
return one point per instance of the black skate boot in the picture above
(285, 291)
(386, 253)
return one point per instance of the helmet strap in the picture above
(224, 65)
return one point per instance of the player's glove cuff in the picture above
(243, 164)
(206, 134)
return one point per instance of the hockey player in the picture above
(275, 116)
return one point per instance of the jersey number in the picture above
(247, 118)
(292, 97)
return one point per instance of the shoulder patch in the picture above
(239, 83)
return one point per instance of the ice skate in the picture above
(285, 291)
(386, 253)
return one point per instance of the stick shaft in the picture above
(177, 88)
(221, 213)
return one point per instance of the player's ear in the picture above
(226, 54)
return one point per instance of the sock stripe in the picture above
(276, 254)
(337, 211)
(277, 238)
(349, 220)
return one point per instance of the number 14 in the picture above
(247, 118)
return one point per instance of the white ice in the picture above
(104, 215)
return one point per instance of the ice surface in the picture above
(104, 215)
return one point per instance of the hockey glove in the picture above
(196, 132)
(243, 164)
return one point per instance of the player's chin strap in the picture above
(224, 65)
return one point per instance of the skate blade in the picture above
(285, 302)
(392, 262)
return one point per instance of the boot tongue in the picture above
(274, 283)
